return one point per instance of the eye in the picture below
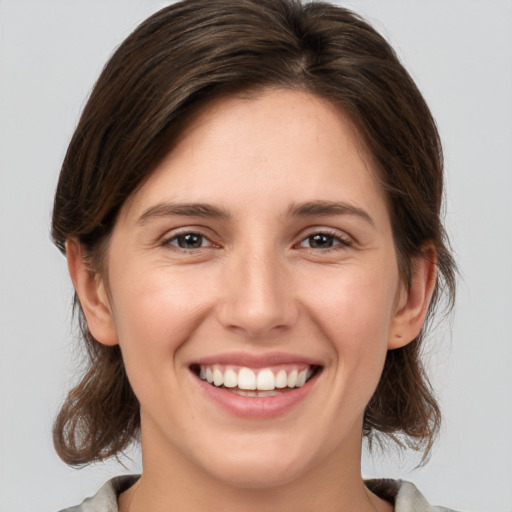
(324, 240)
(189, 241)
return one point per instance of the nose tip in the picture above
(256, 319)
(258, 301)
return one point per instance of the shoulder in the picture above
(105, 500)
(404, 495)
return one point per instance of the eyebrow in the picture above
(325, 208)
(185, 209)
(205, 210)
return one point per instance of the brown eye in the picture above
(189, 241)
(320, 241)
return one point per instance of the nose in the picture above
(258, 298)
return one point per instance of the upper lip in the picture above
(256, 360)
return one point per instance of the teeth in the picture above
(218, 378)
(254, 383)
(256, 393)
(292, 379)
(266, 380)
(230, 378)
(246, 379)
(281, 379)
(301, 379)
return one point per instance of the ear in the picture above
(412, 303)
(92, 294)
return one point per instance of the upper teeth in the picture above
(245, 378)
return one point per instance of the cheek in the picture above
(355, 312)
(355, 303)
(155, 312)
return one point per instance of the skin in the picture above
(257, 284)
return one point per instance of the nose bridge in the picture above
(258, 298)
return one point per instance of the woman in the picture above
(250, 211)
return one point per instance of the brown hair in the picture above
(187, 54)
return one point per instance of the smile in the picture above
(260, 382)
(256, 387)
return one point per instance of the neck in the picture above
(173, 483)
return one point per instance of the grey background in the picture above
(459, 52)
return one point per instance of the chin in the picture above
(269, 464)
(260, 474)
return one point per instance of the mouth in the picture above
(256, 382)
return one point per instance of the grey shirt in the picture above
(404, 495)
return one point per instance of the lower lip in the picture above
(257, 407)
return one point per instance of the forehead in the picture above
(270, 117)
(282, 145)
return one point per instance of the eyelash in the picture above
(339, 242)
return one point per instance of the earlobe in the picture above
(92, 294)
(412, 305)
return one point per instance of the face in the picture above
(254, 291)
